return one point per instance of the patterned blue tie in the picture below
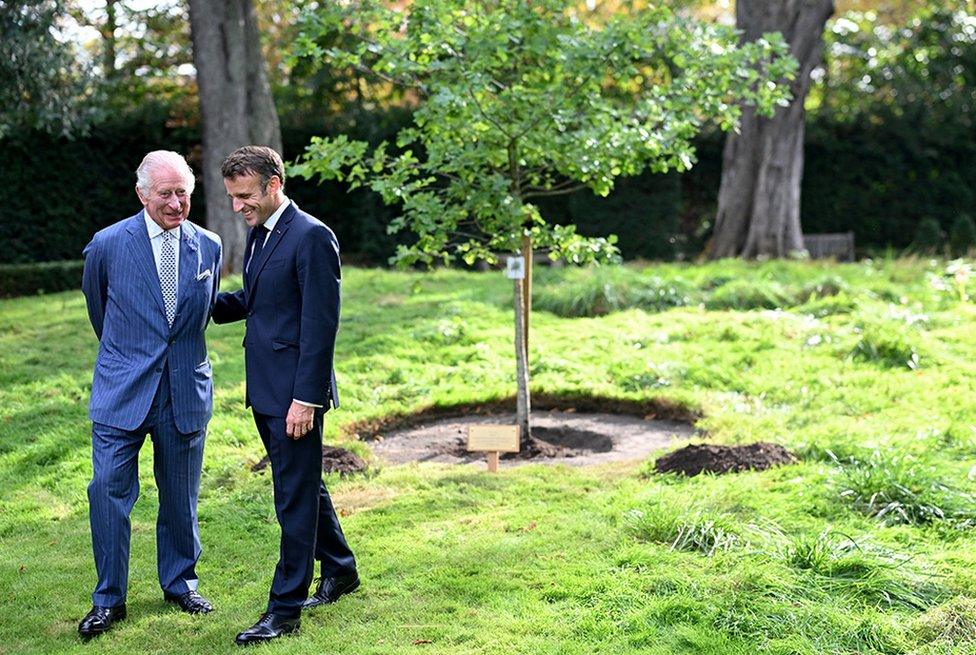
(167, 275)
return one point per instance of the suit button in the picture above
(251, 313)
(159, 369)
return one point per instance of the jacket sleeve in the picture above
(218, 264)
(94, 283)
(229, 307)
(317, 267)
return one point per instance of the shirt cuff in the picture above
(302, 402)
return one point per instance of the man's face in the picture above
(168, 201)
(247, 197)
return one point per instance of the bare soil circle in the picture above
(563, 437)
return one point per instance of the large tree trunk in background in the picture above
(235, 104)
(108, 39)
(762, 166)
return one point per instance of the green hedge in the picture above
(878, 178)
(44, 277)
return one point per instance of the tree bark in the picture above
(527, 289)
(235, 104)
(108, 39)
(762, 165)
(522, 403)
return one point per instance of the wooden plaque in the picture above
(493, 438)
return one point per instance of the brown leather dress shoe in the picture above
(99, 619)
(330, 589)
(269, 626)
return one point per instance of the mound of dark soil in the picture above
(342, 461)
(334, 460)
(694, 459)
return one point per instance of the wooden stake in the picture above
(527, 289)
(493, 462)
(523, 403)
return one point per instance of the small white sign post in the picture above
(493, 439)
(515, 269)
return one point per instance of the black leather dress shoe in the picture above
(191, 602)
(99, 620)
(269, 626)
(330, 589)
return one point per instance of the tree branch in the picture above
(553, 192)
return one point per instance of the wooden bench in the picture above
(839, 246)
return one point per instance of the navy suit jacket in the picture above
(292, 314)
(125, 307)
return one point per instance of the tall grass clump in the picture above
(751, 294)
(823, 306)
(844, 566)
(889, 344)
(898, 490)
(692, 530)
(825, 287)
(951, 624)
(601, 290)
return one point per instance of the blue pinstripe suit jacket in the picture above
(125, 306)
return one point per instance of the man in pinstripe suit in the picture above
(150, 282)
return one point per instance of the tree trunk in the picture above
(762, 165)
(108, 39)
(527, 290)
(522, 403)
(235, 104)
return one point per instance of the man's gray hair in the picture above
(157, 159)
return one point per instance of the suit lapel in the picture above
(143, 259)
(281, 227)
(189, 258)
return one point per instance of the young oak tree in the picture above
(518, 101)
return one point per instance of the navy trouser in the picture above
(177, 459)
(309, 526)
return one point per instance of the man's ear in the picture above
(142, 198)
(274, 185)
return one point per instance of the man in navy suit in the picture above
(150, 282)
(290, 301)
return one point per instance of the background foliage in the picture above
(891, 140)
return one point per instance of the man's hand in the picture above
(299, 420)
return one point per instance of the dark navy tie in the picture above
(260, 236)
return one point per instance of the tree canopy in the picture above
(526, 100)
(43, 85)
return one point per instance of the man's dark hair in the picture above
(254, 160)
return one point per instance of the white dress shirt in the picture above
(156, 241)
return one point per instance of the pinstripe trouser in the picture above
(177, 460)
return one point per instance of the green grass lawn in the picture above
(866, 545)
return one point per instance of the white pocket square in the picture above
(207, 273)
